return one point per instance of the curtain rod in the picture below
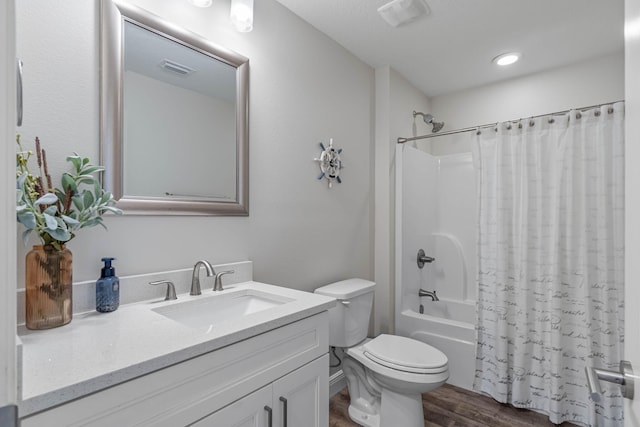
(490, 125)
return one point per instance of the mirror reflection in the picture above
(194, 95)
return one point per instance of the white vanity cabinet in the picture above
(298, 399)
(226, 387)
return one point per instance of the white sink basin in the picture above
(206, 312)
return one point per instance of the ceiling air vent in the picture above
(176, 68)
(399, 12)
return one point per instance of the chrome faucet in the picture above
(430, 294)
(195, 277)
(217, 286)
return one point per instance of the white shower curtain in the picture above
(550, 262)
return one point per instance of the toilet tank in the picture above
(349, 319)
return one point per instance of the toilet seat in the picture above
(405, 354)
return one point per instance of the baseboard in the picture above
(337, 382)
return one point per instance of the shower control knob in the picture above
(423, 258)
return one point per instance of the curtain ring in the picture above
(578, 115)
(552, 120)
(597, 113)
(610, 110)
(520, 125)
(531, 122)
(509, 126)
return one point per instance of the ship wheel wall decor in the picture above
(330, 163)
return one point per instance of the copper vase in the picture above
(48, 287)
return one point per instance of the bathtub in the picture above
(447, 325)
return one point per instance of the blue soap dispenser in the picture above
(107, 288)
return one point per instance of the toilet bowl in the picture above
(386, 375)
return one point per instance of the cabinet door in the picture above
(301, 398)
(252, 410)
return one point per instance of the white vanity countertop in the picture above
(98, 350)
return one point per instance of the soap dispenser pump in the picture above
(107, 288)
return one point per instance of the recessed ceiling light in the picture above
(507, 58)
(201, 3)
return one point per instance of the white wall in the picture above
(304, 88)
(579, 85)
(395, 101)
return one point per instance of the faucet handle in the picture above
(218, 283)
(171, 289)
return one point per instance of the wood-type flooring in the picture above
(450, 406)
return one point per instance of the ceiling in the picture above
(451, 48)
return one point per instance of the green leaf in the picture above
(97, 189)
(25, 236)
(77, 202)
(28, 219)
(87, 198)
(69, 220)
(61, 223)
(111, 209)
(59, 234)
(68, 182)
(88, 179)
(76, 161)
(20, 181)
(92, 222)
(51, 210)
(91, 169)
(107, 197)
(51, 222)
(47, 199)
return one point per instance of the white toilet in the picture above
(385, 375)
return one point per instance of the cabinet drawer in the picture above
(188, 391)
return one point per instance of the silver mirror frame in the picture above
(113, 15)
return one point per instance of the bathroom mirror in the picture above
(174, 117)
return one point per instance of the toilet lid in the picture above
(405, 354)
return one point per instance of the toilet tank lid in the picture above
(346, 289)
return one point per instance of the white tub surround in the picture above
(429, 218)
(96, 350)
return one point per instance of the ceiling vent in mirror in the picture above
(400, 12)
(176, 68)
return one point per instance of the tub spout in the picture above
(431, 294)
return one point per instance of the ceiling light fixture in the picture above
(201, 3)
(241, 15)
(399, 12)
(507, 58)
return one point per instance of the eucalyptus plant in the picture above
(56, 214)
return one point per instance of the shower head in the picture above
(437, 126)
(429, 119)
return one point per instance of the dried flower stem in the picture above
(40, 186)
(38, 153)
(67, 200)
(46, 171)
